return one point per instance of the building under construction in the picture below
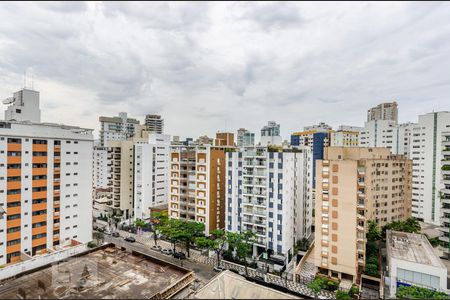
(105, 273)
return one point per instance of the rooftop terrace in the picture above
(411, 247)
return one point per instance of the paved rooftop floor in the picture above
(109, 273)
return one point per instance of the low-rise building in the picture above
(411, 260)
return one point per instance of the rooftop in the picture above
(411, 247)
(106, 273)
(228, 285)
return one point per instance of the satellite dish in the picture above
(9, 100)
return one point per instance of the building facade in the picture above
(270, 193)
(345, 136)
(427, 154)
(245, 138)
(197, 185)
(154, 123)
(45, 187)
(383, 111)
(316, 137)
(23, 106)
(412, 261)
(117, 128)
(224, 139)
(355, 185)
(270, 134)
(100, 169)
(151, 175)
(445, 193)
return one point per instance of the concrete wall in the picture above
(39, 261)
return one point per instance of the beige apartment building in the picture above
(197, 185)
(355, 185)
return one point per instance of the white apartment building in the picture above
(154, 123)
(270, 193)
(270, 134)
(426, 153)
(387, 134)
(45, 185)
(151, 174)
(100, 168)
(379, 134)
(345, 136)
(117, 128)
(445, 192)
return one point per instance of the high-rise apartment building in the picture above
(270, 134)
(151, 174)
(224, 139)
(427, 153)
(345, 136)
(121, 170)
(100, 169)
(380, 134)
(355, 185)
(45, 183)
(317, 137)
(445, 192)
(197, 185)
(154, 123)
(270, 193)
(245, 138)
(117, 128)
(383, 111)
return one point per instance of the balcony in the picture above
(361, 217)
(360, 228)
(361, 262)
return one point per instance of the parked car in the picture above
(107, 232)
(259, 278)
(156, 247)
(179, 255)
(115, 234)
(167, 251)
(130, 239)
(218, 268)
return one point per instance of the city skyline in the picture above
(297, 63)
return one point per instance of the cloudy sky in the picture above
(216, 66)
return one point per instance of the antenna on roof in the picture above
(25, 79)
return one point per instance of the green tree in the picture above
(242, 243)
(411, 225)
(158, 221)
(342, 295)
(190, 231)
(216, 242)
(414, 292)
(373, 233)
(173, 231)
(317, 285)
(371, 270)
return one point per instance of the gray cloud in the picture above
(215, 66)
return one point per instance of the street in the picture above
(202, 272)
